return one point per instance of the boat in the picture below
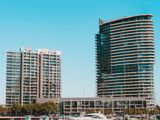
(91, 116)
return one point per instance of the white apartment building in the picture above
(31, 75)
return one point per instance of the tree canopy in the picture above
(36, 109)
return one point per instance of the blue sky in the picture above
(69, 26)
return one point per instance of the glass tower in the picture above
(125, 58)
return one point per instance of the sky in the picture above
(69, 26)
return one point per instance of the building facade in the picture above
(125, 58)
(78, 105)
(31, 75)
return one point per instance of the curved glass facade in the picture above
(125, 58)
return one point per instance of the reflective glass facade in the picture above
(125, 58)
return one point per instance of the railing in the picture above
(27, 118)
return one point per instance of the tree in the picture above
(108, 111)
(132, 111)
(16, 110)
(34, 109)
(50, 107)
(27, 109)
(3, 110)
(89, 111)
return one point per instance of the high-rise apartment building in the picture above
(31, 75)
(125, 58)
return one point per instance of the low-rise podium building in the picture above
(77, 105)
